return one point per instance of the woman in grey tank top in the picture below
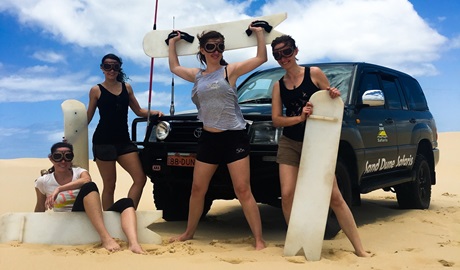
(224, 139)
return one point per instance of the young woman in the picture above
(224, 139)
(293, 91)
(111, 141)
(68, 188)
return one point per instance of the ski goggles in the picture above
(288, 52)
(108, 67)
(59, 156)
(212, 47)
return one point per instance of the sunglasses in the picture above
(108, 67)
(59, 156)
(212, 47)
(283, 53)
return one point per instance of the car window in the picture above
(259, 87)
(414, 95)
(369, 81)
(391, 92)
(339, 76)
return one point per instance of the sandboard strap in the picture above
(183, 35)
(259, 23)
(320, 117)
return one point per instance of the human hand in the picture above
(256, 29)
(307, 110)
(333, 92)
(49, 203)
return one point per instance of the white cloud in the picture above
(49, 57)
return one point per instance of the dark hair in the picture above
(286, 39)
(203, 39)
(61, 144)
(122, 77)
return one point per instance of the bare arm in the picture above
(187, 74)
(84, 178)
(40, 204)
(320, 80)
(240, 68)
(134, 104)
(94, 95)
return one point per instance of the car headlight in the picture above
(162, 130)
(264, 133)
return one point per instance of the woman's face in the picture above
(62, 158)
(110, 67)
(284, 53)
(213, 49)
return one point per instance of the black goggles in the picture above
(59, 156)
(288, 52)
(108, 67)
(212, 47)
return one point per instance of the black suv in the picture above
(388, 141)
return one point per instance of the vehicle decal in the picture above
(382, 135)
(383, 164)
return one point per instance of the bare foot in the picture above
(260, 245)
(111, 245)
(364, 254)
(136, 248)
(182, 237)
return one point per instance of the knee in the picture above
(242, 192)
(121, 205)
(88, 188)
(337, 200)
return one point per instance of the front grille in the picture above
(183, 131)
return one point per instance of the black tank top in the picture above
(113, 122)
(294, 100)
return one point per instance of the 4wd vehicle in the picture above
(388, 141)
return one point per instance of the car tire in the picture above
(344, 183)
(174, 202)
(417, 193)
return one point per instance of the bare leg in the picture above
(132, 164)
(108, 173)
(288, 180)
(129, 226)
(346, 220)
(93, 210)
(239, 172)
(202, 175)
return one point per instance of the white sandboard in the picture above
(71, 228)
(234, 33)
(316, 175)
(76, 130)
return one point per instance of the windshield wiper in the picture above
(257, 101)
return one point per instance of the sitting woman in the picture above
(66, 188)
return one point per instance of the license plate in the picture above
(179, 160)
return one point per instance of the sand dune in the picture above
(399, 239)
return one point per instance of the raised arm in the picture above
(187, 74)
(240, 68)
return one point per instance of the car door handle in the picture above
(389, 120)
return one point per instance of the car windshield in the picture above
(258, 88)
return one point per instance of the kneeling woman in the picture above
(68, 188)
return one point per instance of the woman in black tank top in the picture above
(293, 91)
(111, 141)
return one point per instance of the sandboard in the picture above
(71, 228)
(76, 130)
(234, 33)
(315, 179)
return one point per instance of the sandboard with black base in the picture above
(234, 32)
(315, 179)
(71, 228)
(76, 130)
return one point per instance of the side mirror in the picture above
(373, 98)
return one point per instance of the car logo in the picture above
(197, 132)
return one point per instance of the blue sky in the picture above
(50, 51)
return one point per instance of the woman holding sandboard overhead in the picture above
(111, 142)
(293, 91)
(224, 139)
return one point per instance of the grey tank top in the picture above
(216, 101)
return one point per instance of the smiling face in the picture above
(62, 158)
(213, 49)
(284, 53)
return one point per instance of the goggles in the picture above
(288, 52)
(212, 47)
(59, 156)
(108, 67)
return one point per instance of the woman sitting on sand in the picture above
(70, 189)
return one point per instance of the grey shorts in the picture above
(289, 151)
(111, 152)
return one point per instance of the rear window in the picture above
(414, 95)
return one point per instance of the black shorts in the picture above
(119, 206)
(223, 147)
(111, 152)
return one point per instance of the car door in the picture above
(376, 127)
